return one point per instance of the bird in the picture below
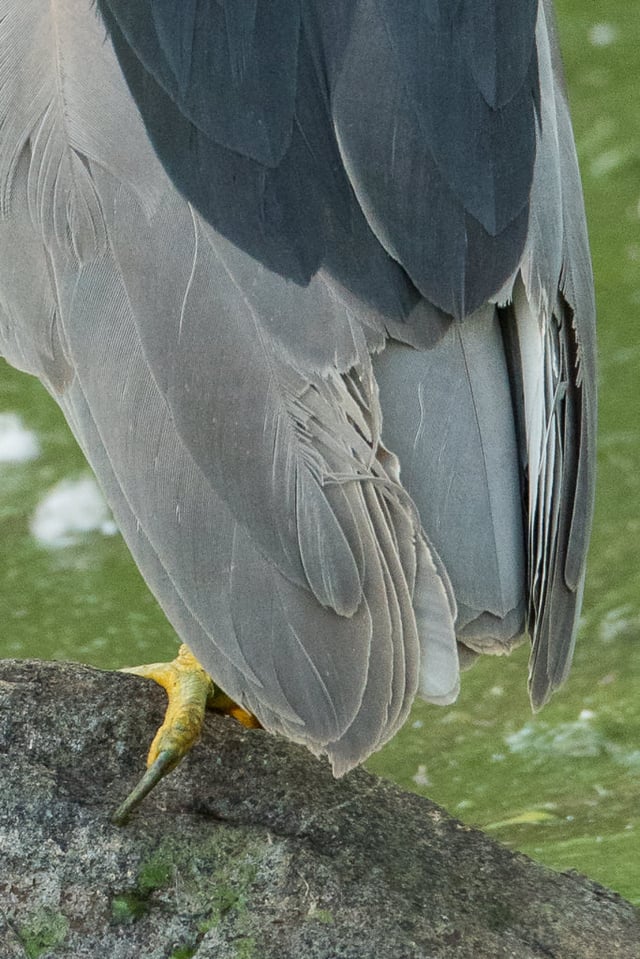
(311, 284)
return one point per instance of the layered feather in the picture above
(245, 472)
(224, 220)
(554, 366)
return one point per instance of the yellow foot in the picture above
(189, 690)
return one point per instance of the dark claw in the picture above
(164, 763)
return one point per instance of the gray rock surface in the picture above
(250, 850)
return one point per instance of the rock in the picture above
(250, 850)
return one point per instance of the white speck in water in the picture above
(577, 739)
(496, 691)
(607, 680)
(70, 510)
(17, 443)
(615, 623)
(603, 34)
(587, 714)
(421, 778)
(418, 724)
(607, 161)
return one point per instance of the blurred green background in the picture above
(562, 786)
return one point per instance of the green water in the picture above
(562, 786)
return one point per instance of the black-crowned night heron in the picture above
(311, 283)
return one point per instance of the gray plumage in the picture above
(311, 284)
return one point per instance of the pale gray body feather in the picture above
(326, 479)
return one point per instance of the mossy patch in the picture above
(183, 952)
(126, 907)
(156, 871)
(230, 894)
(321, 915)
(42, 932)
(215, 878)
(245, 948)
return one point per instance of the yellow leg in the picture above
(190, 690)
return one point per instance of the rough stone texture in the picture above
(250, 850)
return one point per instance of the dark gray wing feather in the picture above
(439, 155)
(296, 217)
(482, 145)
(499, 37)
(230, 66)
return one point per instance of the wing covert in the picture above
(231, 68)
(439, 156)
